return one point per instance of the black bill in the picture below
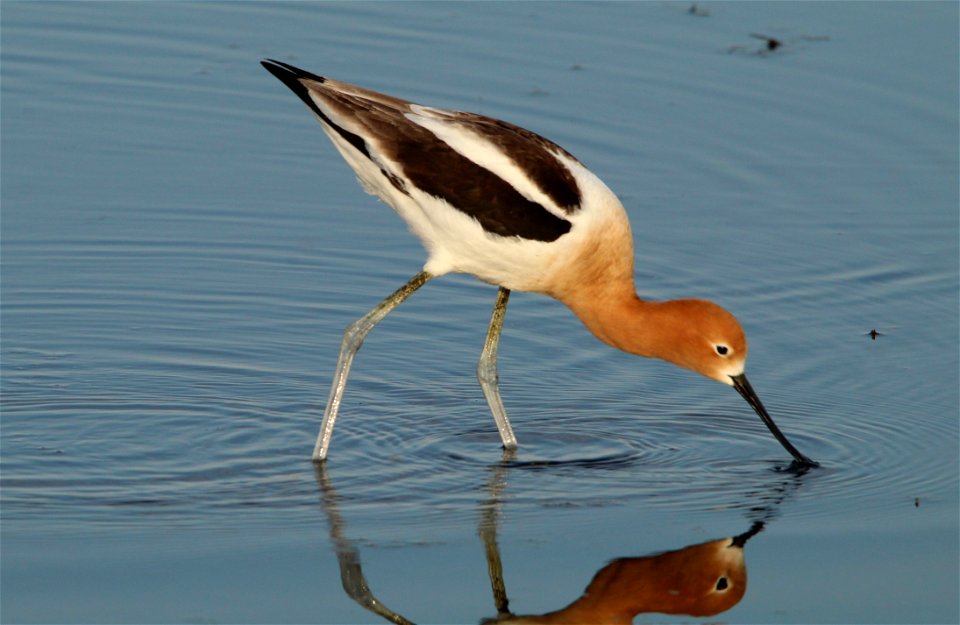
(746, 391)
(741, 540)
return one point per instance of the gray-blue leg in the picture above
(487, 370)
(352, 340)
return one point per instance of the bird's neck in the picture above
(619, 318)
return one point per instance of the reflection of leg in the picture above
(495, 569)
(351, 574)
(355, 584)
(352, 340)
(487, 370)
(489, 522)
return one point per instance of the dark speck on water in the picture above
(772, 42)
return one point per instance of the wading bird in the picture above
(491, 199)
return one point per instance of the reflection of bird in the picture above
(700, 580)
(516, 210)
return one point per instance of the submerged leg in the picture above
(487, 370)
(352, 340)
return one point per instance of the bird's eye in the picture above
(722, 350)
(722, 583)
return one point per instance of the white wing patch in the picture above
(482, 152)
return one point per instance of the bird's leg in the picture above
(487, 370)
(352, 340)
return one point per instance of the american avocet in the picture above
(516, 210)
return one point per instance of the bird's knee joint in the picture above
(487, 373)
(354, 334)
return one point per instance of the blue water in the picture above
(181, 248)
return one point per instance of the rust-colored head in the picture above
(695, 334)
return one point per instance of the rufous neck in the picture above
(621, 319)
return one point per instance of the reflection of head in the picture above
(699, 580)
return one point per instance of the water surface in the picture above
(181, 248)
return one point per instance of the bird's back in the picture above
(485, 197)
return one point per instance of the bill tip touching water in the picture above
(514, 209)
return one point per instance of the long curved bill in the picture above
(746, 391)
